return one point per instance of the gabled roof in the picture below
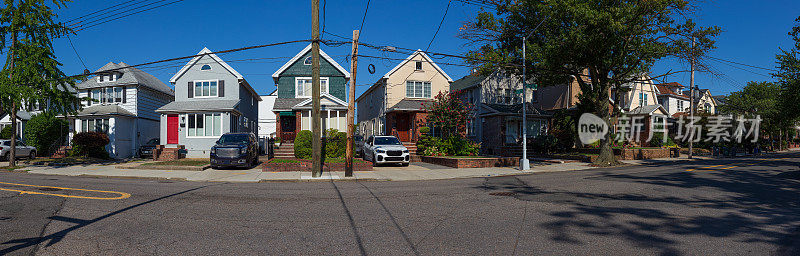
(666, 91)
(285, 103)
(209, 53)
(130, 75)
(467, 82)
(673, 84)
(646, 110)
(300, 55)
(424, 56)
(323, 95)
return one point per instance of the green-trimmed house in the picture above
(293, 105)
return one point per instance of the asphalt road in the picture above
(716, 207)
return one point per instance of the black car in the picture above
(146, 150)
(235, 149)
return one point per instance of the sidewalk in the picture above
(416, 171)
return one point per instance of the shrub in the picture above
(424, 130)
(335, 143)
(5, 134)
(545, 143)
(302, 145)
(45, 130)
(91, 144)
(656, 141)
(450, 146)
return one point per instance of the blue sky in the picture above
(753, 31)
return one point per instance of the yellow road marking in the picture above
(728, 167)
(708, 167)
(689, 170)
(122, 195)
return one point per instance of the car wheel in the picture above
(4, 157)
(32, 155)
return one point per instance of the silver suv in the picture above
(22, 150)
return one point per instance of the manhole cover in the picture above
(50, 189)
(502, 194)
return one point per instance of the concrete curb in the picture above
(164, 167)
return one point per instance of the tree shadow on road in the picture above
(756, 203)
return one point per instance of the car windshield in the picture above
(7, 143)
(233, 139)
(152, 142)
(386, 141)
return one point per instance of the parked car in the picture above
(385, 149)
(146, 150)
(358, 144)
(235, 149)
(22, 150)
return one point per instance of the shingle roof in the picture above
(410, 104)
(645, 110)
(673, 84)
(130, 75)
(665, 90)
(101, 110)
(286, 103)
(198, 105)
(466, 82)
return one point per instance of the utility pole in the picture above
(316, 140)
(691, 96)
(12, 153)
(348, 166)
(524, 163)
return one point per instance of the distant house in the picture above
(267, 120)
(496, 119)
(22, 119)
(293, 103)
(124, 100)
(395, 104)
(671, 97)
(704, 101)
(211, 99)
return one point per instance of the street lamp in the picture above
(525, 164)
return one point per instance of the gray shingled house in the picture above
(293, 105)
(211, 99)
(124, 100)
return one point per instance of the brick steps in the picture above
(61, 152)
(285, 150)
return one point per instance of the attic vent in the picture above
(205, 67)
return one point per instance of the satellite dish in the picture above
(371, 69)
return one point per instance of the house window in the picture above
(95, 125)
(205, 67)
(642, 99)
(107, 78)
(507, 97)
(416, 89)
(117, 94)
(205, 88)
(303, 86)
(418, 65)
(204, 125)
(307, 61)
(470, 127)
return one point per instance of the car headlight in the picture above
(242, 151)
(380, 151)
(214, 151)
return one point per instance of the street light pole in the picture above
(524, 163)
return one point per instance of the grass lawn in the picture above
(65, 160)
(10, 168)
(182, 162)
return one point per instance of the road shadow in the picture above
(56, 237)
(755, 201)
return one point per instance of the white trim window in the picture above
(206, 88)
(95, 125)
(106, 78)
(418, 89)
(204, 125)
(303, 86)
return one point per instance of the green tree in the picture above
(788, 75)
(44, 130)
(604, 44)
(448, 114)
(31, 72)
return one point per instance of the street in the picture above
(743, 206)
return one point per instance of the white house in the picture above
(124, 100)
(267, 120)
(671, 97)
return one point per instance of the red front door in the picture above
(402, 127)
(172, 129)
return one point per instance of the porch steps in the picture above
(285, 150)
(412, 150)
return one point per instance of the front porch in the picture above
(405, 124)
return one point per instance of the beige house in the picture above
(640, 94)
(394, 105)
(704, 101)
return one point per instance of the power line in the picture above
(76, 51)
(739, 63)
(95, 12)
(477, 3)
(365, 17)
(440, 25)
(120, 17)
(181, 58)
(128, 6)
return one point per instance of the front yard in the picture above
(180, 162)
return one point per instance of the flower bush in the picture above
(90, 144)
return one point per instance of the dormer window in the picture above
(106, 78)
(418, 65)
(307, 61)
(205, 67)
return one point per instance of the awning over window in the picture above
(286, 113)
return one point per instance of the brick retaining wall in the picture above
(477, 162)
